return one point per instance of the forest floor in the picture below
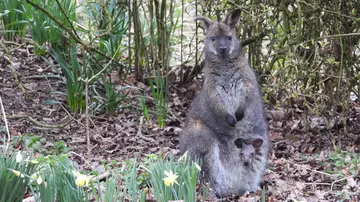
(318, 163)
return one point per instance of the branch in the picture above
(68, 30)
(254, 38)
(44, 125)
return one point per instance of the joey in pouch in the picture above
(248, 149)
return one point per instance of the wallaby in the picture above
(231, 164)
(227, 114)
(230, 91)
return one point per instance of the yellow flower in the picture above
(36, 176)
(197, 166)
(39, 180)
(82, 180)
(31, 161)
(19, 157)
(34, 161)
(170, 179)
(17, 173)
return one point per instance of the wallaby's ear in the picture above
(207, 21)
(233, 18)
(257, 143)
(238, 142)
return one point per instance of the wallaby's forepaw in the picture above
(239, 114)
(230, 119)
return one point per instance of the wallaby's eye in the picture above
(229, 38)
(213, 38)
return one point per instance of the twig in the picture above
(139, 133)
(67, 18)
(13, 71)
(78, 155)
(87, 118)
(43, 77)
(323, 173)
(339, 180)
(6, 123)
(44, 125)
(317, 183)
(254, 38)
(101, 177)
(68, 30)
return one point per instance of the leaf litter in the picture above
(311, 159)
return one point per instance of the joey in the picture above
(248, 149)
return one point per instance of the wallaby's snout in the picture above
(223, 49)
(224, 43)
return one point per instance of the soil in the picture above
(299, 158)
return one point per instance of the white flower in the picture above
(31, 161)
(75, 173)
(183, 157)
(197, 166)
(36, 176)
(170, 179)
(17, 173)
(19, 157)
(82, 180)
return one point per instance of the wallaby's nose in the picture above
(223, 49)
(246, 163)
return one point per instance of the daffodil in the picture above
(170, 178)
(75, 173)
(183, 157)
(31, 161)
(36, 176)
(17, 173)
(19, 157)
(197, 166)
(82, 180)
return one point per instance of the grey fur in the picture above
(228, 107)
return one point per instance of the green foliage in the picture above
(13, 16)
(60, 147)
(112, 98)
(111, 193)
(59, 181)
(55, 178)
(144, 107)
(132, 189)
(43, 29)
(36, 144)
(142, 176)
(159, 92)
(184, 188)
(111, 19)
(12, 187)
(154, 29)
(73, 73)
(345, 160)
